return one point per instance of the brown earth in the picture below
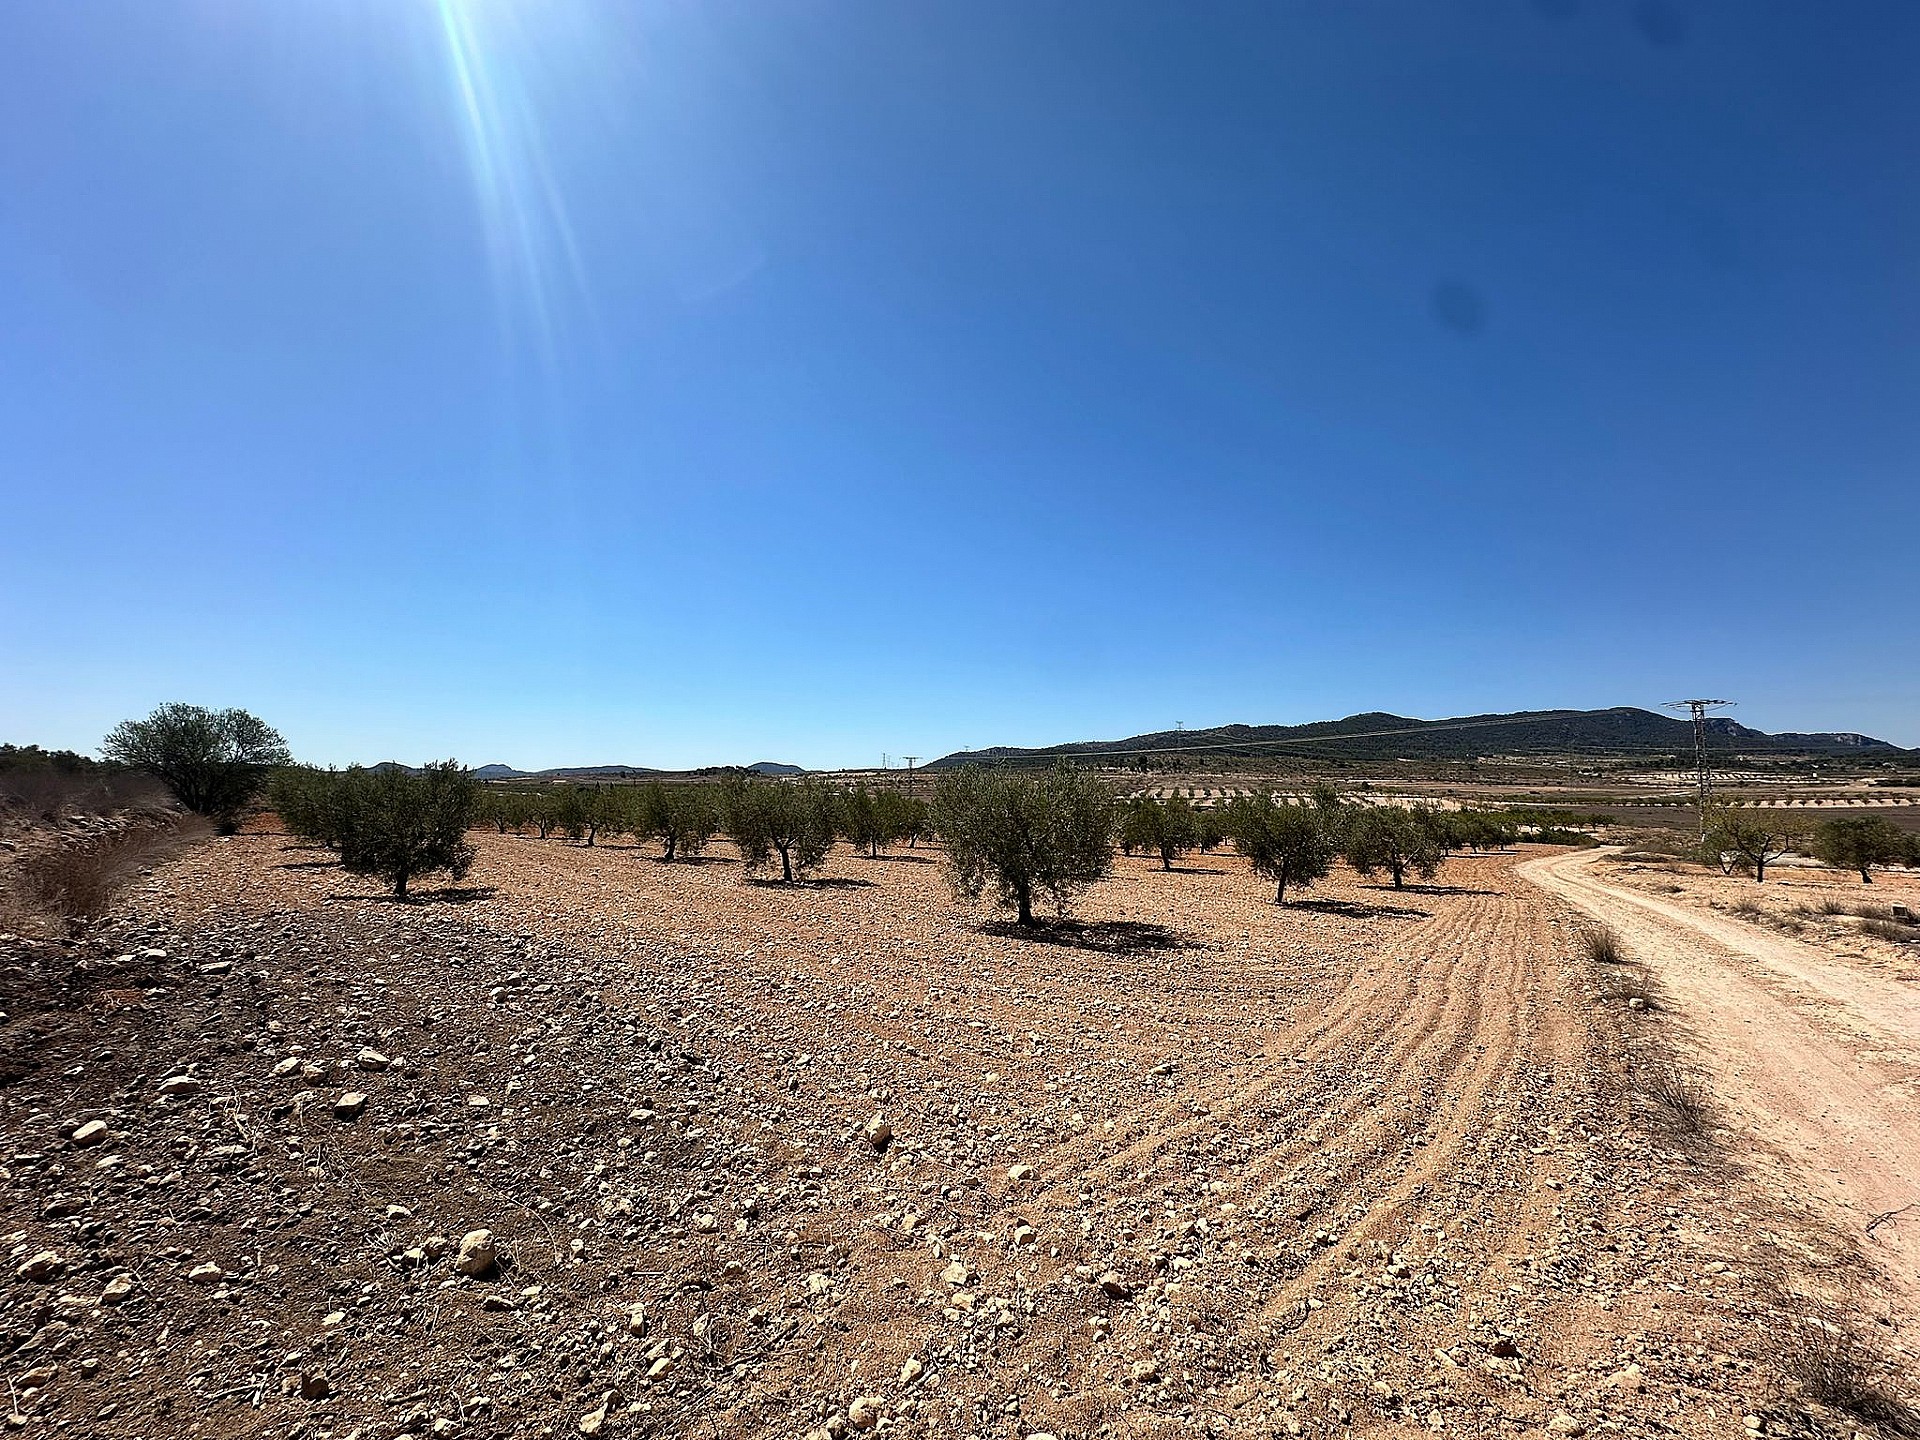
(1376, 1164)
(1810, 1023)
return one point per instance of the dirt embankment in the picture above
(756, 1161)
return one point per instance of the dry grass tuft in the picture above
(1677, 1102)
(1890, 930)
(1602, 945)
(68, 887)
(1835, 1366)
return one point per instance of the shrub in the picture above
(214, 761)
(1289, 844)
(1891, 930)
(1834, 1365)
(796, 820)
(1387, 837)
(1678, 1102)
(1023, 834)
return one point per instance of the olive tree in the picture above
(1391, 838)
(506, 810)
(1287, 843)
(401, 824)
(311, 803)
(214, 761)
(1168, 828)
(796, 820)
(1022, 834)
(861, 821)
(1860, 842)
(681, 817)
(582, 811)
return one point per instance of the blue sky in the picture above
(681, 383)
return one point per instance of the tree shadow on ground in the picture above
(1355, 910)
(694, 860)
(1112, 937)
(446, 895)
(903, 859)
(1435, 890)
(835, 882)
(307, 864)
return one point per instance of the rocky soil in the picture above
(603, 1146)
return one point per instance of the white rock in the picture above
(477, 1254)
(91, 1133)
(43, 1266)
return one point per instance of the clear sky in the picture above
(677, 383)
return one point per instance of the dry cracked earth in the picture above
(852, 1158)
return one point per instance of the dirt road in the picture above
(1817, 1060)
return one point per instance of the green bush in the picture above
(214, 761)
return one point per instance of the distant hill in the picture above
(1379, 736)
(621, 772)
(566, 772)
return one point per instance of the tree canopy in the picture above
(1023, 834)
(214, 761)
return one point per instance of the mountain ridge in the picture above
(1380, 735)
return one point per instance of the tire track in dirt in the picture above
(1847, 1123)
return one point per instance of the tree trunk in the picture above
(1399, 875)
(667, 849)
(400, 886)
(1023, 896)
(786, 866)
(1166, 861)
(1866, 876)
(1280, 890)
